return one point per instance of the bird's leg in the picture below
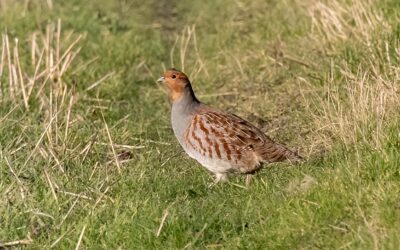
(248, 179)
(219, 177)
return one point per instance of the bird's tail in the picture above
(274, 152)
(293, 156)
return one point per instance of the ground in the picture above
(87, 154)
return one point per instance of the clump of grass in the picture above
(338, 21)
(358, 102)
(43, 80)
(25, 6)
(39, 89)
(359, 111)
(36, 85)
(187, 44)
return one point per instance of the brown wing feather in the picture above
(244, 136)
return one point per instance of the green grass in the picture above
(327, 88)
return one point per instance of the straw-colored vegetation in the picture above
(88, 159)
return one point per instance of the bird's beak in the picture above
(161, 80)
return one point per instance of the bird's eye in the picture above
(173, 76)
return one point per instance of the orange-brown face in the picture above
(175, 81)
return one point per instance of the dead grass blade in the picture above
(164, 217)
(78, 244)
(16, 243)
(110, 140)
(104, 78)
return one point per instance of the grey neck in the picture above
(182, 112)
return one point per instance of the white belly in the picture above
(213, 165)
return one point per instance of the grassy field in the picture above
(87, 154)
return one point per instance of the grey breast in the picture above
(181, 117)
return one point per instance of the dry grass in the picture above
(50, 59)
(356, 105)
(187, 44)
(42, 82)
(338, 20)
(40, 85)
(358, 112)
(10, 4)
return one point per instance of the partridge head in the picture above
(222, 142)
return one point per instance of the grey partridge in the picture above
(222, 142)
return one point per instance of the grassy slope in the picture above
(346, 194)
